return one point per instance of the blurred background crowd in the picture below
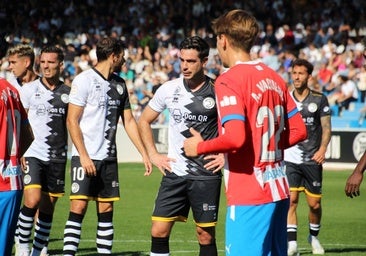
(329, 33)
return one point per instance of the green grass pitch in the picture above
(343, 225)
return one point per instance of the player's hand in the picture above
(216, 164)
(148, 165)
(319, 157)
(190, 144)
(162, 162)
(353, 183)
(88, 166)
(23, 164)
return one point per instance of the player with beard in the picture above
(187, 182)
(304, 160)
(98, 99)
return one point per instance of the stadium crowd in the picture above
(327, 33)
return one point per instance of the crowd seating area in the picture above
(327, 32)
(353, 118)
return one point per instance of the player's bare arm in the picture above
(162, 162)
(132, 131)
(354, 181)
(319, 156)
(73, 116)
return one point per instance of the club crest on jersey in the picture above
(326, 109)
(119, 89)
(208, 103)
(312, 107)
(65, 98)
(75, 187)
(27, 179)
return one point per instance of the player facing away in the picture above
(187, 182)
(258, 119)
(15, 138)
(98, 99)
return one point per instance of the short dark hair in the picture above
(108, 45)
(54, 49)
(302, 62)
(196, 43)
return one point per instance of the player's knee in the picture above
(206, 235)
(78, 207)
(315, 207)
(32, 202)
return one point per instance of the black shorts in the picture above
(305, 177)
(103, 187)
(46, 175)
(178, 194)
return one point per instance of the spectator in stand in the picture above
(352, 71)
(324, 75)
(359, 58)
(312, 53)
(300, 35)
(348, 93)
(333, 89)
(339, 59)
(128, 75)
(269, 36)
(285, 75)
(361, 82)
(271, 59)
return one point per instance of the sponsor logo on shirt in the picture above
(41, 110)
(207, 207)
(178, 116)
(176, 95)
(11, 171)
(228, 100)
(273, 173)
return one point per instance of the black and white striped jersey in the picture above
(47, 110)
(312, 109)
(104, 102)
(187, 109)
